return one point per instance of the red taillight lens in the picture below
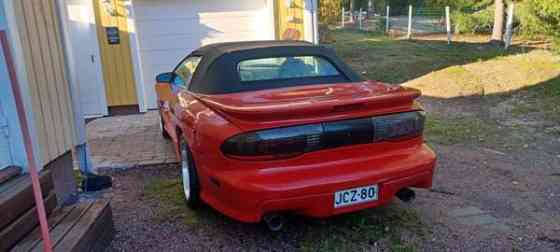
(291, 141)
(396, 126)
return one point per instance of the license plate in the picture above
(355, 196)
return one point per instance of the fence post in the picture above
(509, 26)
(360, 19)
(343, 13)
(387, 23)
(409, 34)
(448, 24)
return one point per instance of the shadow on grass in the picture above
(382, 58)
(501, 100)
(505, 121)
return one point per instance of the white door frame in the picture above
(137, 60)
(72, 66)
(310, 23)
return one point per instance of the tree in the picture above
(498, 30)
(330, 11)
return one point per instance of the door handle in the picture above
(92, 58)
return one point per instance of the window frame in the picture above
(186, 85)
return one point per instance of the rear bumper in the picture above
(248, 196)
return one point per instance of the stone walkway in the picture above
(122, 142)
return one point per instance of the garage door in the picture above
(170, 29)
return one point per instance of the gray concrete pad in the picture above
(122, 142)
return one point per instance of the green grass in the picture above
(362, 230)
(78, 177)
(396, 61)
(172, 206)
(529, 77)
(544, 98)
(459, 130)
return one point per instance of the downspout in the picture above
(314, 17)
(36, 185)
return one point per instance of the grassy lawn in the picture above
(475, 93)
(515, 89)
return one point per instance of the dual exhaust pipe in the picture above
(275, 221)
(406, 195)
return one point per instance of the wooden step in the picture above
(19, 228)
(8, 173)
(86, 226)
(34, 237)
(16, 196)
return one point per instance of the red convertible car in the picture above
(271, 127)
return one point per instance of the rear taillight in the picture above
(296, 140)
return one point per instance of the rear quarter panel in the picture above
(205, 131)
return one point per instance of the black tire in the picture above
(164, 133)
(193, 198)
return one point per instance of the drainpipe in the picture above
(312, 8)
(37, 192)
(315, 22)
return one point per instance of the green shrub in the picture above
(478, 22)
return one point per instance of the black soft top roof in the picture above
(217, 71)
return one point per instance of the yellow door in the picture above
(112, 30)
(289, 19)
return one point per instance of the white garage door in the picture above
(170, 29)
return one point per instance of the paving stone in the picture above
(128, 141)
(465, 211)
(478, 220)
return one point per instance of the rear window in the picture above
(279, 68)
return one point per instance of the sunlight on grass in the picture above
(445, 71)
(495, 76)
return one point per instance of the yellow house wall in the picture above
(38, 29)
(116, 58)
(289, 17)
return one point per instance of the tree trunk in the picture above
(498, 31)
(351, 5)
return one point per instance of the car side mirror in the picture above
(165, 77)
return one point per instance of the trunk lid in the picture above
(310, 104)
